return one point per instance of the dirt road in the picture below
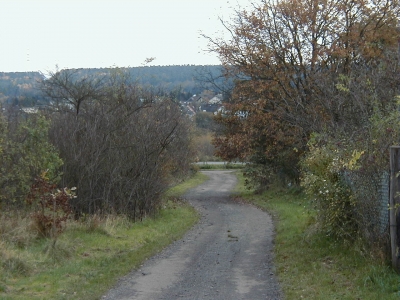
(228, 255)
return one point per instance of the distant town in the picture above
(188, 84)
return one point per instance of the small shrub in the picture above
(258, 177)
(51, 206)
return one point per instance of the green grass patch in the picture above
(312, 266)
(89, 257)
(178, 190)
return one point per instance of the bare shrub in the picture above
(121, 148)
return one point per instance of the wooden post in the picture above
(394, 203)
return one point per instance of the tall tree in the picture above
(304, 66)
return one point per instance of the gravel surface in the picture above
(227, 255)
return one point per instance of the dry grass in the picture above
(89, 256)
(16, 228)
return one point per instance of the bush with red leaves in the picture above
(51, 206)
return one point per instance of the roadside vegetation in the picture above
(91, 254)
(85, 184)
(203, 132)
(315, 105)
(312, 265)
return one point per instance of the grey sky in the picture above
(37, 35)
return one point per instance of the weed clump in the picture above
(15, 265)
(16, 229)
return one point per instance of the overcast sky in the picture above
(37, 35)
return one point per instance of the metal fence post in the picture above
(394, 204)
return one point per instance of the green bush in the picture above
(25, 152)
(324, 180)
(258, 176)
(343, 173)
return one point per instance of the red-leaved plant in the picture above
(51, 206)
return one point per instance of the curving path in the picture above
(228, 255)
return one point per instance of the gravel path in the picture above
(227, 255)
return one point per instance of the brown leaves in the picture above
(51, 206)
(290, 57)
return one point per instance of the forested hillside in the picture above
(20, 88)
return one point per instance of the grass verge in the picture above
(90, 255)
(312, 266)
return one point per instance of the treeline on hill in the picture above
(106, 144)
(315, 104)
(183, 80)
(21, 88)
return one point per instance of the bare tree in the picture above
(71, 87)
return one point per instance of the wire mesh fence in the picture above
(371, 210)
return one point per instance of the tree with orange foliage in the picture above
(304, 66)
